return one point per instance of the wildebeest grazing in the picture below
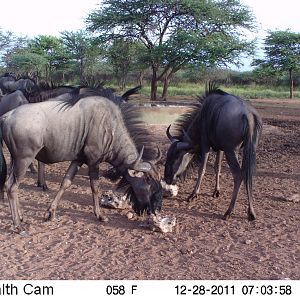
(88, 129)
(224, 123)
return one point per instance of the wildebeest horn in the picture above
(171, 138)
(157, 158)
(141, 166)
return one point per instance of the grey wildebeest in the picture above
(26, 85)
(224, 123)
(88, 129)
(12, 101)
(46, 92)
(4, 80)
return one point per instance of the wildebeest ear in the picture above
(183, 146)
(134, 173)
(143, 167)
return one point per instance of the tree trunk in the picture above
(291, 84)
(141, 78)
(154, 84)
(167, 80)
(81, 70)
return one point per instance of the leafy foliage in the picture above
(175, 32)
(282, 55)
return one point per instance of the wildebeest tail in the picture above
(253, 127)
(130, 92)
(3, 169)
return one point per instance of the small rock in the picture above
(294, 198)
(129, 215)
(248, 242)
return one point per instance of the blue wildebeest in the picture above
(66, 93)
(45, 92)
(224, 123)
(4, 80)
(88, 129)
(26, 85)
(12, 101)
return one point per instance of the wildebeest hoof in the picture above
(192, 197)
(49, 216)
(251, 217)
(226, 216)
(21, 231)
(43, 186)
(103, 219)
(216, 194)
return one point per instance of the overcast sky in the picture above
(34, 17)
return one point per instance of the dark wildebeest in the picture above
(223, 123)
(88, 129)
(26, 85)
(11, 101)
(4, 80)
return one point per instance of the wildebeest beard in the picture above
(156, 198)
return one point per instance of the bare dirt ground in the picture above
(202, 246)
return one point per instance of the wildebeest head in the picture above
(179, 156)
(145, 191)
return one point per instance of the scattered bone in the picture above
(158, 223)
(130, 215)
(111, 200)
(170, 190)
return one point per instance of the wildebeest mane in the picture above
(46, 91)
(84, 92)
(141, 137)
(202, 112)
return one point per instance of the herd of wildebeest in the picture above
(91, 125)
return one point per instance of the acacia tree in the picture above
(282, 55)
(53, 50)
(24, 62)
(176, 32)
(81, 48)
(9, 43)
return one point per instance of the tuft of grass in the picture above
(192, 90)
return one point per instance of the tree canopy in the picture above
(282, 54)
(175, 33)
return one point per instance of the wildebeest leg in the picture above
(201, 173)
(237, 179)
(66, 183)
(217, 168)
(94, 178)
(16, 175)
(32, 168)
(41, 176)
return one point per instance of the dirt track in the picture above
(203, 246)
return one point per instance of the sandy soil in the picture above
(202, 246)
